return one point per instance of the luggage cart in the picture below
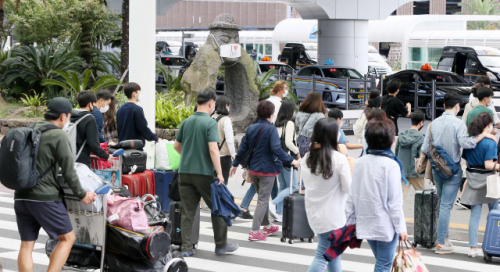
(89, 225)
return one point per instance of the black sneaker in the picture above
(246, 215)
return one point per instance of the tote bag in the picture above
(493, 185)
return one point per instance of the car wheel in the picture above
(327, 97)
(428, 112)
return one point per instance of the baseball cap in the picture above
(59, 105)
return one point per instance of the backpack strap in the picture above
(217, 120)
(43, 129)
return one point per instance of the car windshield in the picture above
(490, 61)
(375, 57)
(312, 54)
(341, 73)
(174, 50)
(450, 78)
(173, 61)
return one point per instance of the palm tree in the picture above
(29, 65)
(71, 82)
(481, 7)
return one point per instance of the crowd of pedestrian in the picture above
(279, 151)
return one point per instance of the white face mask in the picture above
(105, 109)
(66, 125)
(140, 97)
(230, 50)
(286, 92)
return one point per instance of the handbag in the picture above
(441, 162)
(127, 213)
(408, 260)
(166, 157)
(493, 184)
(421, 163)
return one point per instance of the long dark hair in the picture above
(286, 113)
(109, 116)
(478, 124)
(320, 159)
(312, 103)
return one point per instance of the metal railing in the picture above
(368, 82)
(433, 84)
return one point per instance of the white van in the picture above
(375, 60)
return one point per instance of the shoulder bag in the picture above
(441, 162)
(493, 184)
(223, 141)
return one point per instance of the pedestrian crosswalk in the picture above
(266, 256)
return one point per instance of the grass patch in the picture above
(8, 106)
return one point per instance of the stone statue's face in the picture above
(227, 36)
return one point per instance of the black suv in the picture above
(407, 90)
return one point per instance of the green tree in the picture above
(71, 82)
(481, 7)
(43, 22)
(29, 65)
(96, 25)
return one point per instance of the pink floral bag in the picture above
(127, 213)
(408, 260)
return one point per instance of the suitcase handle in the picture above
(135, 154)
(291, 180)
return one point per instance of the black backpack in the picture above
(18, 153)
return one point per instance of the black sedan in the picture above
(445, 82)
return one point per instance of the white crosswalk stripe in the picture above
(265, 256)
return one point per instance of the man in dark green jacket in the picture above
(41, 206)
(408, 148)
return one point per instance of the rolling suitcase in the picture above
(163, 179)
(491, 242)
(140, 184)
(295, 223)
(83, 255)
(426, 217)
(175, 219)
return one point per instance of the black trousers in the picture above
(226, 162)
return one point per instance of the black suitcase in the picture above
(120, 263)
(81, 255)
(175, 220)
(426, 217)
(295, 224)
(133, 157)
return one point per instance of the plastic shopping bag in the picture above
(167, 157)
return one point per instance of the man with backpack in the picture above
(448, 135)
(41, 205)
(87, 135)
(392, 106)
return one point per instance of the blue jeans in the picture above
(475, 215)
(284, 180)
(447, 190)
(384, 253)
(245, 203)
(319, 263)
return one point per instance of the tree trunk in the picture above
(86, 44)
(2, 15)
(125, 38)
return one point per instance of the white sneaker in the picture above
(272, 210)
(448, 243)
(474, 252)
(279, 219)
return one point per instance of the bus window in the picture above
(269, 49)
(249, 47)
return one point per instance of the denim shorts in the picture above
(33, 215)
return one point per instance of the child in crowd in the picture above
(341, 138)
(408, 147)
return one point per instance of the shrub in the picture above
(171, 110)
(34, 102)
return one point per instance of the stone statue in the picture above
(239, 72)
